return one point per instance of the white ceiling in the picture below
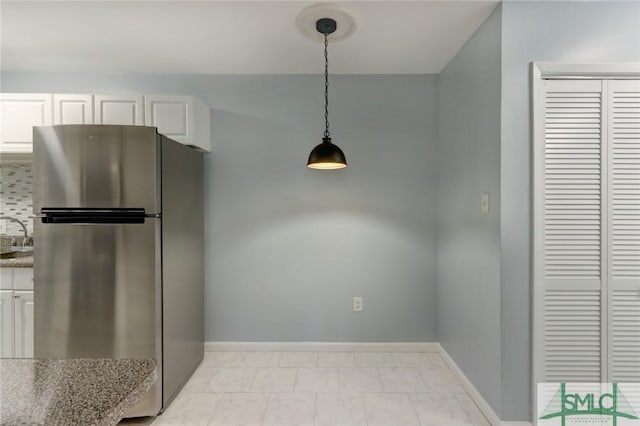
(231, 37)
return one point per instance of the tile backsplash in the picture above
(16, 197)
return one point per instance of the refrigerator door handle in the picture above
(92, 215)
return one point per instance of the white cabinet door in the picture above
(73, 109)
(22, 278)
(6, 324)
(125, 110)
(6, 278)
(586, 264)
(569, 251)
(623, 213)
(185, 119)
(24, 328)
(170, 114)
(19, 112)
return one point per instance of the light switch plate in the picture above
(485, 203)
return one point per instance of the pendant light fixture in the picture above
(326, 156)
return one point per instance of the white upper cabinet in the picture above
(182, 118)
(72, 109)
(19, 112)
(119, 109)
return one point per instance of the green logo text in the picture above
(588, 404)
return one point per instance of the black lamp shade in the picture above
(326, 156)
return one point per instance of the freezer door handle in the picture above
(92, 215)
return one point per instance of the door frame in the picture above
(541, 71)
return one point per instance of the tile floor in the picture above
(321, 389)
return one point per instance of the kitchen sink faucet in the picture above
(24, 228)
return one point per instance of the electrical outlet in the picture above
(358, 304)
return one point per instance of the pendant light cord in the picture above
(326, 86)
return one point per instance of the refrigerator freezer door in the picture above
(96, 166)
(98, 293)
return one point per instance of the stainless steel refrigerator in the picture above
(118, 253)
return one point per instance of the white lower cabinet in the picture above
(16, 313)
(6, 324)
(23, 322)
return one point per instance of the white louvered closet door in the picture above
(623, 278)
(569, 265)
(587, 233)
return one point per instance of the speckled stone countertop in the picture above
(71, 391)
(17, 262)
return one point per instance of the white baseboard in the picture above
(482, 403)
(321, 346)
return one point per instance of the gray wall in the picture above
(540, 31)
(468, 241)
(288, 247)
